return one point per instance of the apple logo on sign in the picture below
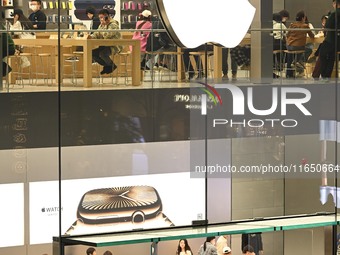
(191, 23)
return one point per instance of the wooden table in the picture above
(88, 45)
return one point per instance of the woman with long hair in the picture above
(208, 248)
(21, 22)
(183, 248)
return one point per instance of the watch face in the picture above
(119, 204)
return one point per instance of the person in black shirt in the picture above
(37, 17)
(91, 14)
(331, 44)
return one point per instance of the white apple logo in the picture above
(191, 23)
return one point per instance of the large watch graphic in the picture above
(119, 209)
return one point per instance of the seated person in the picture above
(285, 16)
(279, 33)
(91, 14)
(296, 40)
(158, 42)
(144, 22)
(107, 30)
(279, 41)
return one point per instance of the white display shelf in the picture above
(231, 228)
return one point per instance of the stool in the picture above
(292, 56)
(278, 62)
(20, 63)
(111, 75)
(72, 60)
(123, 64)
(97, 71)
(44, 60)
(169, 60)
(152, 59)
(200, 67)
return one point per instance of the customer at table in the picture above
(21, 22)
(285, 16)
(144, 23)
(279, 33)
(279, 42)
(37, 17)
(91, 14)
(296, 40)
(331, 44)
(108, 29)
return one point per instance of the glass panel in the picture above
(123, 137)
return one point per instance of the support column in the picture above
(1, 48)
(330, 240)
(262, 42)
(154, 248)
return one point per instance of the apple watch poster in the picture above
(100, 205)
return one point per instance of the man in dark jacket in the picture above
(37, 17)
(331, 44)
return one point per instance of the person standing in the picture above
(91, 251)
(248, 250)
(225, 54)
(316, 71)
(37, 17)
(183, 248)
(108, 29)
(221, 243)
(331, 44)
(253, 240)
(208, 248)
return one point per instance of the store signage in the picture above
(192, 23)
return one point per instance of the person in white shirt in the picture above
(21, 22)
(183, 248)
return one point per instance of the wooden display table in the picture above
(88, 45)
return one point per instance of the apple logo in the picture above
(43, 209)
(191, 23)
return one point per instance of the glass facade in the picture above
(109, 144)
